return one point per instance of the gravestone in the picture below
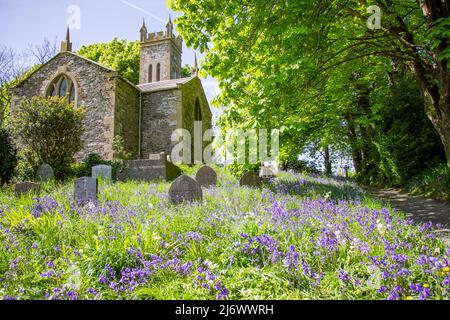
(266, 174)
(103, 171)
(185, 188)
(206, 177)
(25, 187)
(250, 179)
(45, 173)
(86, 189)
(156, 167)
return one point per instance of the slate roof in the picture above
(163, 85)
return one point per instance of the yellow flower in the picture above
(425, 285)
(409, 298)
(446, 269)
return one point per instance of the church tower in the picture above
(160, 55)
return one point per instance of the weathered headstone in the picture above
(156, 167)
(86, 189)
(206, 176)
(103, 171)
(25, 187)
(45, 173)
(266, 174)
(185, 188)
(250, 179)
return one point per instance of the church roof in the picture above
(163, 85)
(75, 55)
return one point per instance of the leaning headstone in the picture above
(250, 179)
(103, 171)
(25, 187)
(45, 173)
(206, 177)
(185, 189)
(86, 189)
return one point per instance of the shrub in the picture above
(119, 149)
(27, 165)
(300, 166)
(51, 129)
(84, 168)
(8, 159)
(434, 183)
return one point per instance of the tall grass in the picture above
(299, 238)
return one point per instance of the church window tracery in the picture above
(62, 86)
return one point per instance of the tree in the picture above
(8, 160)
(186, 71)
(44, 51)
(6, 63)
(119, 55)
(11, 68)
(269, 56)
(50, 129)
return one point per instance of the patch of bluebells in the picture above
(43, 205)
(193, 236)
(206, 279)
(344, 276)
(291, 259)
(258, 247)
(132, 278)
(326, 233)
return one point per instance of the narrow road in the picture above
(418, 208)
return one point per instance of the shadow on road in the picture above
(418, 208)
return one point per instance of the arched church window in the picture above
(72, 93)
(197, 111)
(158, 72)
(62, 86)
(150, 73)
(53, 91)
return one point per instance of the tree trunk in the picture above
(436, 100)
(434, 81)
(442, 125)
(446, 142)
(356, 151)
(327, 161)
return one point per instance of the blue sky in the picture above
(25, 22)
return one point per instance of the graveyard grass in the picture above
(301, 238)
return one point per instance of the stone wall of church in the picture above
(127, 116)
(159, 120)
(95, 91)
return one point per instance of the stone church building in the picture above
(144, 115)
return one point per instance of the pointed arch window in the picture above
(158, 72)
(62, 86)
(150, 73)
(53, 91)
(72, 93)
(198, 111)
